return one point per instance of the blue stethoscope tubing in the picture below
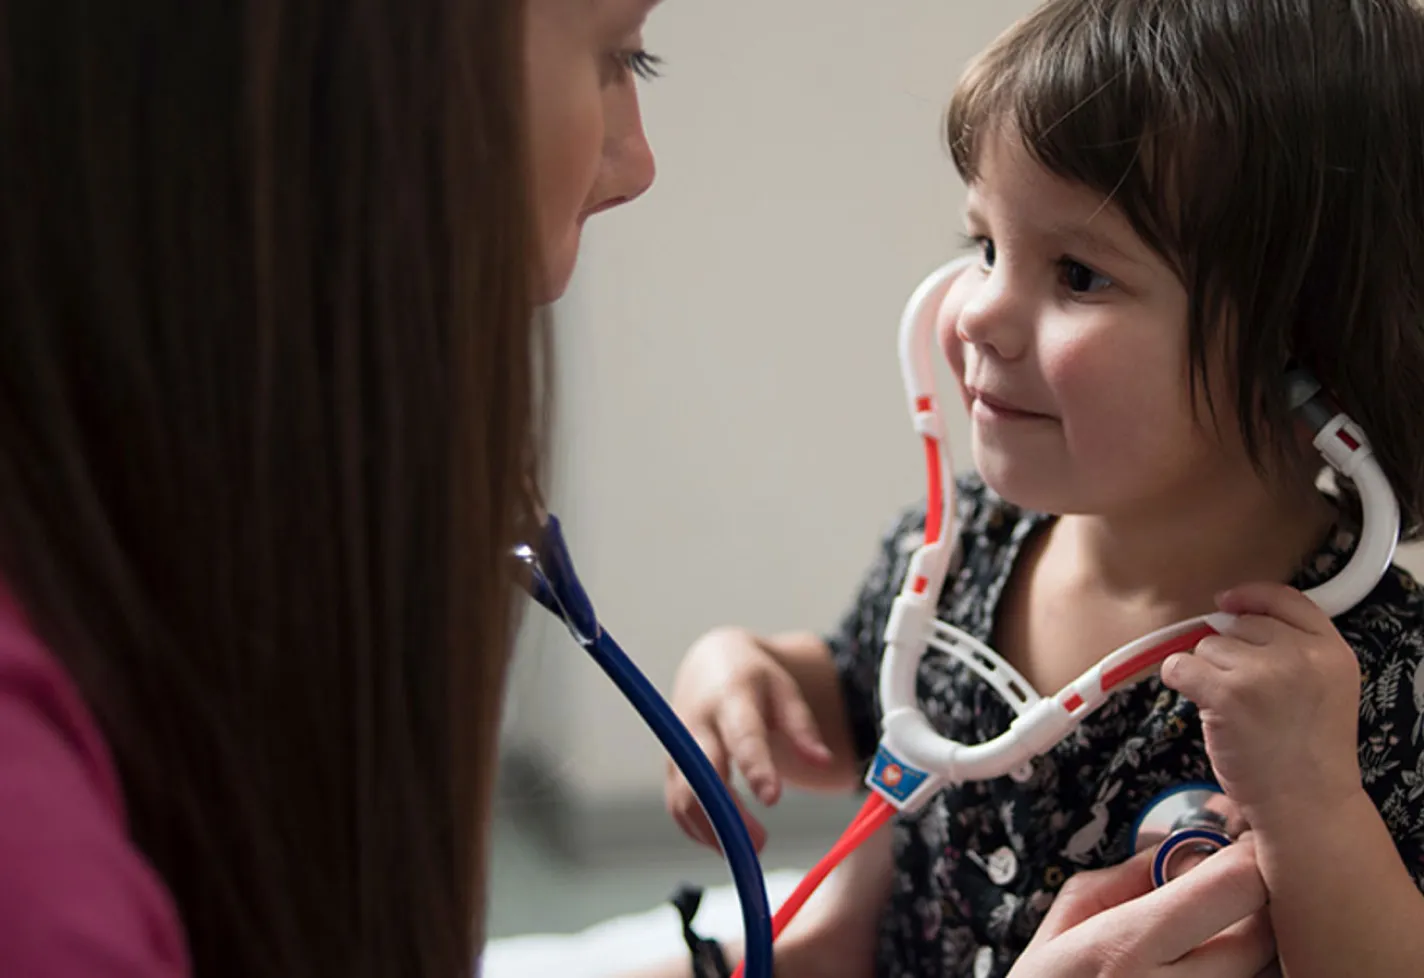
(554, 584)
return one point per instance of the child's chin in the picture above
(1029, 487)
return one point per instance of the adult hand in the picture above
(1208, 923)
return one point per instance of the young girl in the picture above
(1170, 200)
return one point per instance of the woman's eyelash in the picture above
(642, 64)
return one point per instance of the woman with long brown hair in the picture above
(267, 404)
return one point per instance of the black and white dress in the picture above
(977, 868)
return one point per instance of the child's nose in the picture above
(995, 315)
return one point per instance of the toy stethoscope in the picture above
(913, 762)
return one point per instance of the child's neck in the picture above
(1179, 556)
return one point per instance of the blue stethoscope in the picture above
(555, 585)
(913, 762)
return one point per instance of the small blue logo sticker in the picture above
(894, 777)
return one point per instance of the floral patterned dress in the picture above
(978, 867)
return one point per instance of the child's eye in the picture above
(985, 247)
(1081, 279)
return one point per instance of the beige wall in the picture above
(734, 434)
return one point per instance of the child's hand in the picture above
(1279, 700)
(736, 698)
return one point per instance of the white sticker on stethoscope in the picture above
(984, 963)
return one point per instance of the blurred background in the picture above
(733, 436)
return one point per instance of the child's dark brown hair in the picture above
(1273, 152)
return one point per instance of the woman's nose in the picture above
(629, 166)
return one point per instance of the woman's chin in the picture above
(552, 289)
(557, 271)
(546, 297)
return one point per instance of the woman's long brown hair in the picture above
(265, 406)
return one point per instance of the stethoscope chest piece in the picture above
(1185, 824)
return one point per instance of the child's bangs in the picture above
(1083, 95)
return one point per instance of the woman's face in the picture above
(583, 60)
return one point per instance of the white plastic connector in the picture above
(1044, 725)
(1343, 445)
(906, 633)
(930, 424)
(909, 622)
(930, 563)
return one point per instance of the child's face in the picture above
(589, 149)
(1069, 342)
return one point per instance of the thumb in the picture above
(792, 716)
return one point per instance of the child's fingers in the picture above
(1226, 652)
(1194, 677)
(690, 818)
(699, 826)
(742, 727)
(1258, 630)
(755, 829)
(792, 716)
(682, 806)
(1285, 604)
(681, 800)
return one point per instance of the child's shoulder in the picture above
(1388, 625)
